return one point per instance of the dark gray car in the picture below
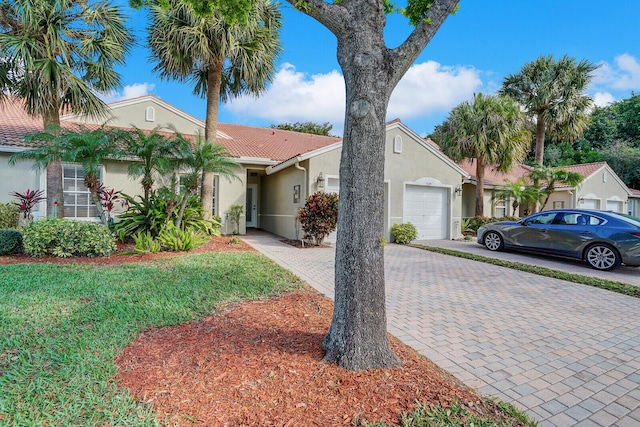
(603, 239)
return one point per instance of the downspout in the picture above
(297, 165)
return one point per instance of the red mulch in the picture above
(260, 364)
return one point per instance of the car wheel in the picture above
(493, 241)
(602, 257)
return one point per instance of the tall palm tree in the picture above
(490, 129)
(89, 148)
(57, 53)
(552, 94)
(223, 58)
(549, 177)
(201, 158)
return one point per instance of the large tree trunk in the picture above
(479, 187)
(540, 131)
(54, 189)
(214, 77)
(357, 338)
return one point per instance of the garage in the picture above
(426, 208)
(614, 205)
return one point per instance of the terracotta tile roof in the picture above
(242, 141)
(492, 177)
(634, 192)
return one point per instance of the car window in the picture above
(575, 218)
(542, 218)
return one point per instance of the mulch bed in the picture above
(260, 363)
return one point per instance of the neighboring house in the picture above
(633, 205)
(278, 170)
(601, 188)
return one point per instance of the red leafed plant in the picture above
(108, 197)
(27, 201)
(319, 216)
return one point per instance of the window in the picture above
(77, 198)
(397, 144)
(558, 205)
(542, 218)
(182, 188)
(501, 208)
(150, 114)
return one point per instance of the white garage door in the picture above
(589, 204)
(426, 208)
(614, 205)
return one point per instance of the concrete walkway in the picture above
(568, 354)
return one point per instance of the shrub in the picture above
(235, 212)
(145, 243)
(172, 238)
(10, 242)
(319, 216)
(9, 215)
(478, 221)
(27, 201)
(65, 238)
(404, 233)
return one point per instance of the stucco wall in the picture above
(278, 210)
(18, 177)
(602, 185)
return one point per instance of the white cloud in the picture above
(298, 97)
(623, 75)
(430, 87)
(130, 91)
(602, 99)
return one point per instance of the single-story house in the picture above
(278, 170)
(601, 188)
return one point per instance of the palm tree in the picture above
(519, 193)
(155, 154)
(550, 177)
(223, 58)
(552, 94)
(201, 158)
(490, 129)
(56, 54)
(89, 148)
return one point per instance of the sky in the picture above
(472, 52)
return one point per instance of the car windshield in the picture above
(627, 218)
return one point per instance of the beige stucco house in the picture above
(278, 170)
(601, 188)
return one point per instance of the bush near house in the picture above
(404, 233)
(319, 216)
(66, 238)
(9, 215)
(477, 221)
(10, 242)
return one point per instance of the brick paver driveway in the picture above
(568, 354)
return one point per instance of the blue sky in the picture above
(472, 52)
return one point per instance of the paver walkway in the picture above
(568, 354)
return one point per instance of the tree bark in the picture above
(540, 131)
(54, 186)
(214, 77)
(357, 338)
(479, 186)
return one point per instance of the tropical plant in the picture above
(222, 57)
(200, 159)
(89, 148)
(173, 238)
(146, 243)
(552, 94)
(108, 198)
(404, 233)
(545, 178)
(491, 130)
(235, 213)
(153, 153)
(520, 194)
(27, 201)
(56, 56)
(319, 216)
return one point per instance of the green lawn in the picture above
(61, 326)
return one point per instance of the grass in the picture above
(61, 326)
(619, 287)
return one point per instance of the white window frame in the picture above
(500, 208)
(397, 144)
(150, 114)
(80, 194)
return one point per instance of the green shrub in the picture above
(477, 221)
(145, 243)
(172, 238)
(10, 242)
(404, 233)
(319, 216)
(9, 214)
(65, 238)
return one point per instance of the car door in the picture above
(534, 232)
(572, 232)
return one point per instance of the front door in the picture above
(252, 205)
